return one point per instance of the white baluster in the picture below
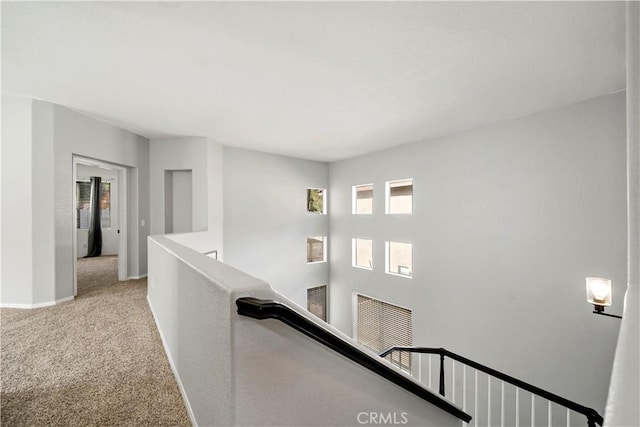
(453, 381)
(549, 413)
(475, 406)
(488, 400)
(568, 417)
(502, 404)
(533, 410)
(517, 407)
(429, 371)
(419, 367)
(464, 387)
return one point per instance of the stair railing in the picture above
(266, 309)
(393, 355)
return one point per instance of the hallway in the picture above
(96, 360)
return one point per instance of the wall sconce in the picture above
(599, 294)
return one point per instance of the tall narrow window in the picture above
(399, 258)
(316, 249)
(105, 205)
(316, 200)
(399, 197)
(83, 202)
(362, 199)
(380, 325)
(317, 301)
(362, 253)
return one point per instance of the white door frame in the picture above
(122, 216)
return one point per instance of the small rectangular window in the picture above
(316, 249)
(317, 301)
(362, 253)
(362, 199)
(399, 197)
(399, 258)
(316, 200)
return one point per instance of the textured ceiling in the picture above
(315, 80)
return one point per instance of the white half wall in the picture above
(508, 221)
(233, 370)
(265, 219)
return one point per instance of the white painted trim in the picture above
(142, 276)
(185, 399)
(38, 305)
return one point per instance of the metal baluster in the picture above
(453, 381)
(429, 371)
(502, 404)
(475, 406)
(548, 413)
(533, 410)
(568, 417)
(488, 400)
(517, 407)
(442, 375)
(419, 367)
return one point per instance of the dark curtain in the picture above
(94, 247)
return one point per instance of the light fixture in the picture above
(599, 294)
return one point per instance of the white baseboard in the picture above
(38, 305)
(185, 399)
(142, 276)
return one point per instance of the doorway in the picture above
(113, 213)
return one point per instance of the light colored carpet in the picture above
(95, 361)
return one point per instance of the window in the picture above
(362, 253)
(317, 301)
(316, 200)
(362, 199)
(399, 197)
(316, 249)
(83, 203)
(399, 258)
(105, 205)
(380, 325)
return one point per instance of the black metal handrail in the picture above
(265, 309)
(593, 417)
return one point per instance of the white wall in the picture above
(77, 134)
(624, 392)
(16, 191)
(179, 154)
(233, 370)
(46, 155)
(508, 221)
(265, 219)
(203, 158)
(182, 200)
(110, 236)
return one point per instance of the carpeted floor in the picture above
(95, 361)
